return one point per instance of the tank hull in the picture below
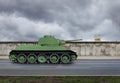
(39, 48)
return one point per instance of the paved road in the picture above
(78, 68)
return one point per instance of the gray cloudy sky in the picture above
(27, 20)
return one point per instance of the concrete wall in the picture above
(6, 47)
(82, 48)
(95, 48)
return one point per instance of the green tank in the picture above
(48, 50)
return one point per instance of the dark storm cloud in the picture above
(29, 8)
(40, 9)
(114, 12)
(66, 19)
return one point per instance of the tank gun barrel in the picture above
(76, 40)
(66, 41)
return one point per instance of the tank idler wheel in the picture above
(42, 58)
(65, 58)
(54, 58)
(73, 57)
(12, 57)
(21, 58)
(31, 58)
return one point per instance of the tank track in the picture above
(52, 57)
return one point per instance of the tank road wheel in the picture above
(12, 57)
(54, 58)
(31, 58)
(65, 58)
(21, 58)
(73, 57)
(42, 58)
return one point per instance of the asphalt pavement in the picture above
(85, 67)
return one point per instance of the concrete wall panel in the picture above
(82, 48)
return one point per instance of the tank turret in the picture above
(48, 40)
(48, 50)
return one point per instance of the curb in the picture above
(4, 57)
(98, 57)
(80, 57)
